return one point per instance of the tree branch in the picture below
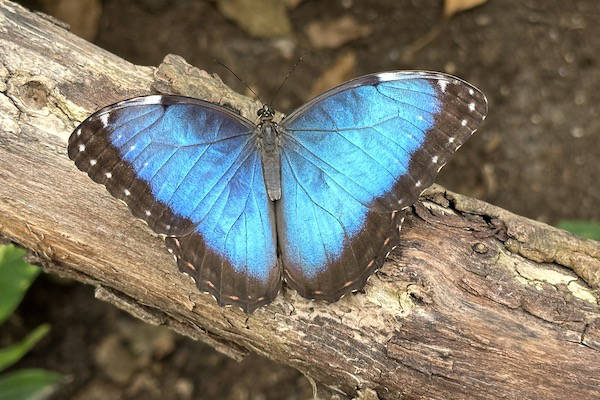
(476, 302)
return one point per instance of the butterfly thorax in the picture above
(269, 143)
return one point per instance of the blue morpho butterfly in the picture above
(314, 200)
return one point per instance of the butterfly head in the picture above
(265, 113)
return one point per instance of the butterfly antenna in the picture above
(289, 73)
(240, 79)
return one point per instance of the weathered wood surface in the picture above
(476, 303)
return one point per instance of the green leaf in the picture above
(12, 354)
(588, 229)
(28, 384)
(15, 278)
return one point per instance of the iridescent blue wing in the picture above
(192, 171)
(352, 159)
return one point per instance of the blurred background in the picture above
(536, 155)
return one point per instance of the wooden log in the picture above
(476, 302)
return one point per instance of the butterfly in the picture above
(314, 200)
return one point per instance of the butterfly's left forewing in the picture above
(192, 171)
(352, 159)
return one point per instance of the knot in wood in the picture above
(480, 248)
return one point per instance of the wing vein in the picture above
(183, 146)
(329, 176)
(429, 95)
(315, 203)
(242, 213)
(233, 164)
(443, 109)
(364, 152)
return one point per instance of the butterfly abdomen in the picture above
(270, 151)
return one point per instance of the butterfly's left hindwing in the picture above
(352, 159)
(192, 171)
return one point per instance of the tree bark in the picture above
(475, 303)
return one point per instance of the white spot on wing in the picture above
(132, 147)
(81, 147)
(451, 140)
(147, 100)
(443, 85)
(472, 106)
(127, 192)
(463, 122)
(78, 132)
(418, 184)
(471, 92)
(434, 159)
(387, 76)
(108, 175)
(148, 213)
(104, 119)
(420, 118)
(93, 162)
